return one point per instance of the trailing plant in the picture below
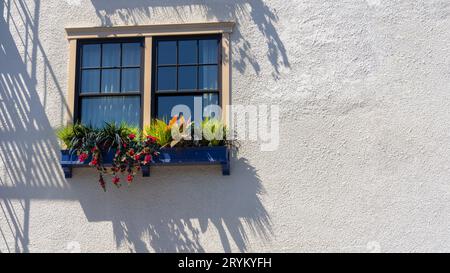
(131, 150)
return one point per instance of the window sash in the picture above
(79, 95)
(184, 92)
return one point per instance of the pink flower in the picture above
(147, 159)
(94, 149)
(82, 157)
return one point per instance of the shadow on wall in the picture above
(167, 212)
(27, 144)
(255, 12)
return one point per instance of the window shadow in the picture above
(254, 12)
(168, 212)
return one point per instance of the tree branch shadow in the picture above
(254, 12)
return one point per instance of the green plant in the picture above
(161, 131)
(114, 136)
(214, 132)
(65, 134)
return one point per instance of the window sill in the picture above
(217, 155)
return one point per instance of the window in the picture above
(134, 73)
(186, 71)
(109, 81)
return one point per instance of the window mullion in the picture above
(120, 69)
(101, 69)
(198, 65)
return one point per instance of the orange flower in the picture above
(172, 121)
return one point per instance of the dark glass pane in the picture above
(111, 55)
(98, 110)
(91, 56)
(90, 81)
(187, 52)
(167, 52)
(110, 80)
(131, 80)
(167, 78)
(187, 77)
(208, 51)
(208, 77)
(131, 54)
(167, 103)
(210, 99)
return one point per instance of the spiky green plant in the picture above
(114, 135)
(65, 134)
(160, 130)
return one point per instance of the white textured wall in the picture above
(363, 162)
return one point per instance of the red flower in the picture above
(94, 149)
(130, 178)
(151, 138)
(131, 136)
(93, 162)
(137, 157)
(124, 145)
(116, 180)
(82, 157)
(147, 159)
(117, 152)
(131, 152)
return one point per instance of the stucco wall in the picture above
(363, 162)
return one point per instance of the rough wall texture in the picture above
(363, 162)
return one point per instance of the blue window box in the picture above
(218, 155)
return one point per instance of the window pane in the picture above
(90, 81)
(98, 110)
(111, 55)
(110, 80)
(210, 99)
(91, 56)
(166, 104)
(131, 54)
(208, 77)
(167, 52)
(208, 51)
(167, 78)
(131, 80)
(187, 78)
(187, 52)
